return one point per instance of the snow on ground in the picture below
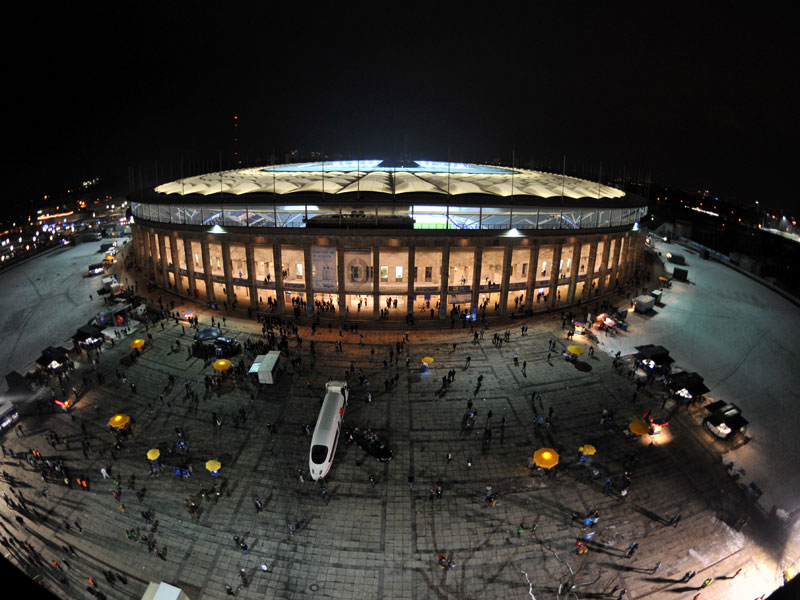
(738, 335)
(45, 300)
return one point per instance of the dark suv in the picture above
(225, 347)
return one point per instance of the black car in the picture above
(725, 420)
(371, 443)
(227, 347)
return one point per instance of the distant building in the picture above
(364, 236)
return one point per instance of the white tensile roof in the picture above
(351, 177)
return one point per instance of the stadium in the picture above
(370, 239)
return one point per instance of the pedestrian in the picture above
(631, 549)
(411, 482)
(656, 568)
(688, 576)
(104, 472)
(449, 457)
(291, 529)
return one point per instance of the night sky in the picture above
(699, 97)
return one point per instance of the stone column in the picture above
(340, 280)
(162, 252)
(476, 279)
(445, 282)
(587, 287)
(308, 266)
(280, 295)
(411, 265)
(189, 258)
(251, 275)
(376, 281)
(615, 263)
(623, 259)
(226, 269)
(176, 264)
(601, 283)
(146, 261)
(573, 272)
(530, 286)
(153, 248)
(505, 278)
(554, 273)
(207, 271)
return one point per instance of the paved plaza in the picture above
(373, 534)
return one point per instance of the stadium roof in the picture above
(376, 177)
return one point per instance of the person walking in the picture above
(631, 549)
(656, 568)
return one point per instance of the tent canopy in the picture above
(53, 353)
(691, 382)
(658, 354)
(88, 331)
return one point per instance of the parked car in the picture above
(225, 347)
(371, 443)
(725, 420)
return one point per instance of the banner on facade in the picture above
(323, 268)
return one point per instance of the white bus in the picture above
(327, 430)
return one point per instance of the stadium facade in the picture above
(361, 237)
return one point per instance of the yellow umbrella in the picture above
(574, 349)
(546, 458)
(213, 465)
(153, 453)
(119, 421)
(137, 343)
(639, 427)
(588, 449)
(662, 278)
(427, 360)
(223, 364)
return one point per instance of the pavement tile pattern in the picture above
(380, 538)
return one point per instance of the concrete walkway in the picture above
(382, 539)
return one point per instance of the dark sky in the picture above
(697, 96)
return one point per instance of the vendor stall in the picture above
(53, 358)
(653, 359)
(686, 387)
